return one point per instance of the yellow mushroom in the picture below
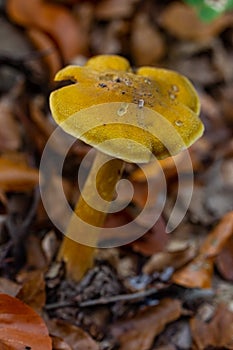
(127, 116)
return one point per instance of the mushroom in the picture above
(127, 116)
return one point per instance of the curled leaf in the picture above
(50, 18)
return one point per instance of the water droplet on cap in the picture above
(140, 103)
(172, 96)
(123, 109)
(175, 88)
(178, 123)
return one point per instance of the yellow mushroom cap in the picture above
(125, 114)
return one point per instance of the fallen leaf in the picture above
(224, 260)
(138, 333)
(142, 29)
(9, 287)
(35, 257)
(226, 98)
(177, 259)
(50, 18)
(32, 291)
(17, 176)
(216, 333)
(219, 187)
(218, 237)
(21, 327)
(108, 9)
(197, 274)
(50, 55)
(182, 22)
(59, 343)
(10, 138)
(153, 241)
(109, 39)
(74, 336)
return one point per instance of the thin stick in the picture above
(104, 300)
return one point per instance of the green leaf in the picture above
(208, 10)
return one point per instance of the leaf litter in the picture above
(162, 291)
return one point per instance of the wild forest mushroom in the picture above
(127, 116)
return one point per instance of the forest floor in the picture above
(163, 291)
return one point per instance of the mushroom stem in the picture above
(103, 177)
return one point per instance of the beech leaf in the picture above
(138, 333)
(20, 327)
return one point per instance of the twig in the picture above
(105, 300)
(59, 305)
(120, 297)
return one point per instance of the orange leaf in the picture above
(197, 274)
(216, 240)
(17, 176)
(21, 327)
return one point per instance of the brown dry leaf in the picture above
(10, 138)
(153, 241)
(74, 336)
(146, 52)
(216, 333)
(52, 19)
(44, 44)
(197, 274)
(219, 185)
(224, 260)
(226, 100)
(35, 256)
(53, 195)
(109, 40)
(218, 237)
(21, 327)
(175, 259)
(17, 176)
(9, 287)
(59, 344)
(182, 22)
(138, 333)
(110, 9)
(32, 292)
